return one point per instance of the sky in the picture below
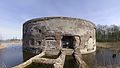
(13, 13)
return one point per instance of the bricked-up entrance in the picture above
(68, 42)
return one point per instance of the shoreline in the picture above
(6, 44)
(2, 46)
(108, 45)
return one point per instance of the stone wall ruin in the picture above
(56, 33)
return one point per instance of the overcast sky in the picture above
(13, 13)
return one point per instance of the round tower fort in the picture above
(55, 33)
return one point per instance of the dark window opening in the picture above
(32, 41)
(38, 42)
(39, 31)
(31, 30)
(68, 42)
(26, 42)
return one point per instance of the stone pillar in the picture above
(58, 39)
(60, 60)
(61, 42)
(77, 53)
(77, 42)
(79, 60)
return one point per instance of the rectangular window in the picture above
(50, 43)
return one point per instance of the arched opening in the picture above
(68, 42)
(38, 42)
(31, 41)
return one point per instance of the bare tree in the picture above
(107, 33)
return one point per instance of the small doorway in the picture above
(68, 42)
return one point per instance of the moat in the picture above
(13, 55)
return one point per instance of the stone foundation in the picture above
(57, 63)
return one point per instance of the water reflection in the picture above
(70, 62)
(102, 57)
(36, 65)
(27, 55)
(13, 55)
(90, 59)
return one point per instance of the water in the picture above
(102, 57)
(70, 62)
(35, 65)
(105, 57)
(13, 55)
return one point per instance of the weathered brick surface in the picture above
(37, 31)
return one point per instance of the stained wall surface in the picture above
(47, 33)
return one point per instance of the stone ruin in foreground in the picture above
(58, 36)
